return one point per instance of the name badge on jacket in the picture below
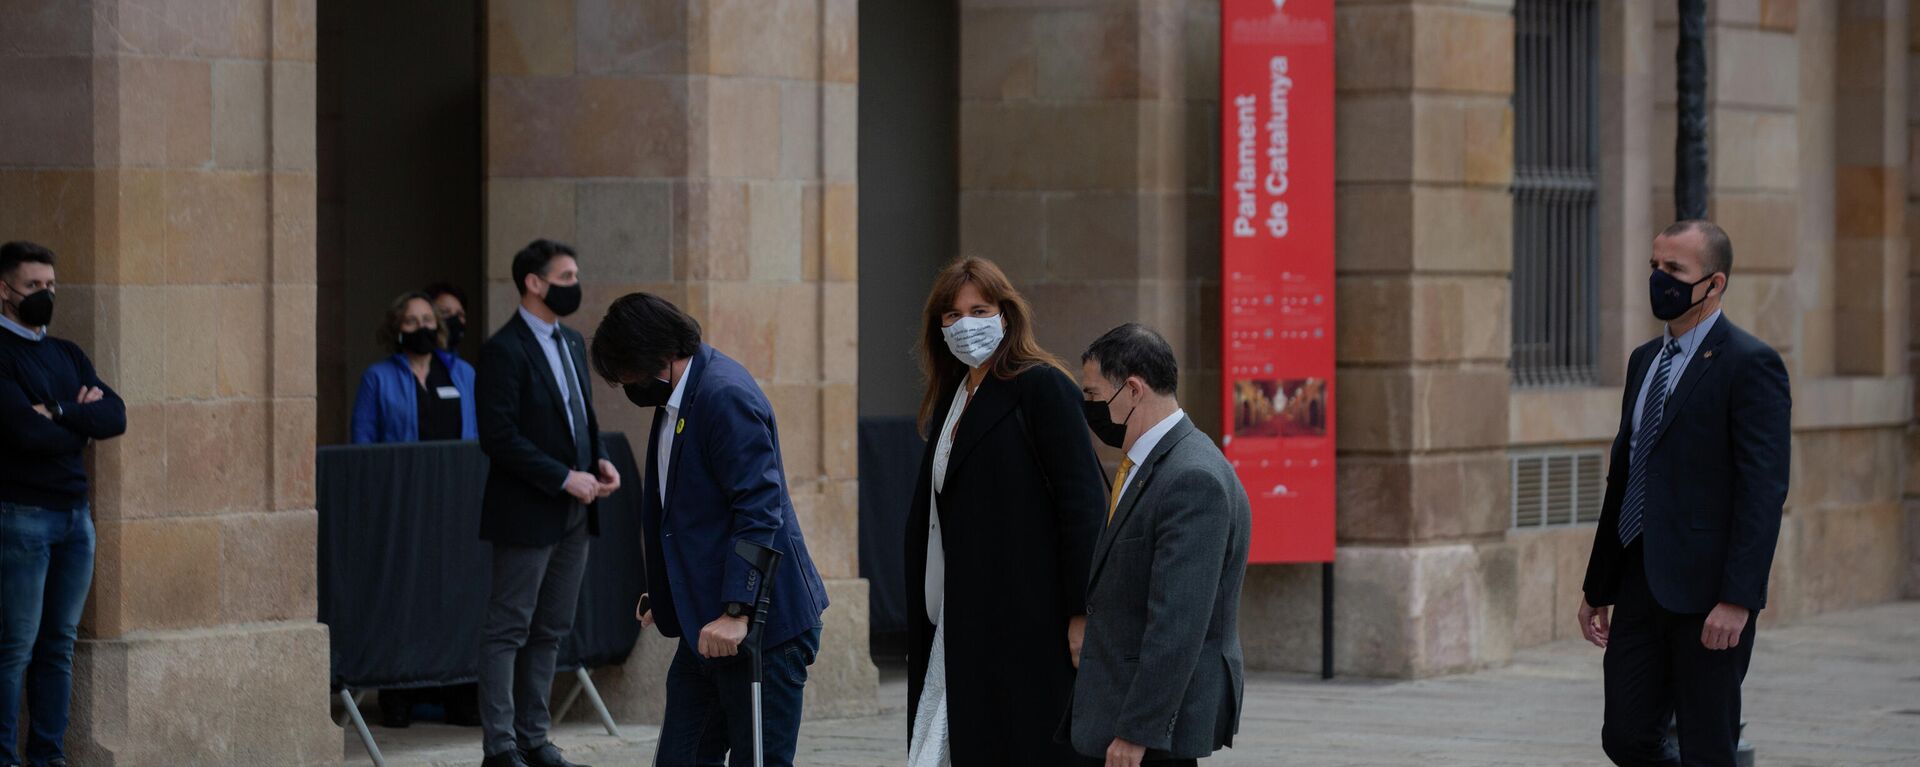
(449, 392)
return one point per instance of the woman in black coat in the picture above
(1009, 503)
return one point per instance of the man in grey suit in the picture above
(1161, 669)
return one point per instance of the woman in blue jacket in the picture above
(422, 393)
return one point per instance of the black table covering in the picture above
(404, 576)
(890, 453)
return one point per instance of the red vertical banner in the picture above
(1276, 271)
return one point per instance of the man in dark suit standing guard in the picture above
(547, 468)
(1692, 512)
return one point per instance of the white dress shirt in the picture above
(669, 427)
(1143, 448)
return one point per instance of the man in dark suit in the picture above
(714, 479)
(1161, 669)
(547, 468)
(1687, 530)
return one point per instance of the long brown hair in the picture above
(1018, 351)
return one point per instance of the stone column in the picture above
(704, 152)
(166, 154)
(1425, 159)
(1815, 24)
(1870, 179)
(1087, 170)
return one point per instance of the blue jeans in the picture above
(710, 705)
(46, 567)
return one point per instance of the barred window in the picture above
(1555, 182)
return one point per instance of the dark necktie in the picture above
(1633, 509)
(576, 405)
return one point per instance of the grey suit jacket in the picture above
(1161, 665)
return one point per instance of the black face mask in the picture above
(1672, 297)
(650, 393)
(421, 341)
(1100, 420)
(456, 330)
(563, 299)
(35, 309)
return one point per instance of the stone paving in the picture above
(1841, 689)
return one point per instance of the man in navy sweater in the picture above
(52, 405)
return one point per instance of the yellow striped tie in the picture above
(1119, 486)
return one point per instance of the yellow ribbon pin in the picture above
(680, 427)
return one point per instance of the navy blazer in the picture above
(527, 439)
(725, 483)
(1717, 478)
(387, 408)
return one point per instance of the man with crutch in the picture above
(715, 482)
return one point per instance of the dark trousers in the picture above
(535, 593)
(1658, 670)
(46, 567)
(710, 705)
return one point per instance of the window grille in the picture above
(1555, 183)
(1557, 487)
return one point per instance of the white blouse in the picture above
(936, 547)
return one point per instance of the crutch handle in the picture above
(759, 557)
(765, 560)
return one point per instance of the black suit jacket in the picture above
(1022, 505)
(528, 442)
(1716, 482)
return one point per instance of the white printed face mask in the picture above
(974, 339)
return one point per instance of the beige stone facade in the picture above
(1808, 160)
(703, 152)
(706, 150)
(166, 152)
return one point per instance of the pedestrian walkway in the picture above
(1841, 689)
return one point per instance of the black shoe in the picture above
(509, 758)
(547, 756)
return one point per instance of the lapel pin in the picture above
(1709, 355)
(680, 426)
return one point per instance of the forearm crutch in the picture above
(765, 560)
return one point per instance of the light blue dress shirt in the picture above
(22, 331)
(1689, 344)
(544, 331)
